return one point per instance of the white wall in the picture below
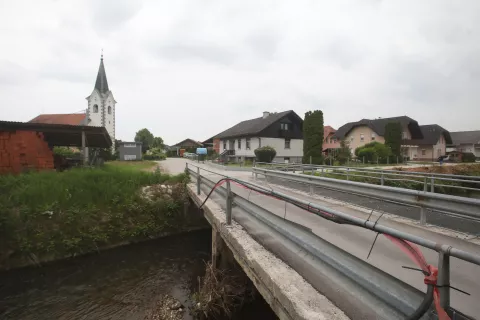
(296, 146)
(96, 118)
(110, 118)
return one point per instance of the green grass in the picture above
(136, 165)
(80, 210)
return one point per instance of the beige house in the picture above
(426, 142)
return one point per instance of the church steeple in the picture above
(101, 84)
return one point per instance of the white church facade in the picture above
(100, 110)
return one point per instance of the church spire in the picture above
(101, 84)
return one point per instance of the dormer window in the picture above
(284, 126)
(109, 110)
(95, 108)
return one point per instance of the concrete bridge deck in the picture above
(356, 241)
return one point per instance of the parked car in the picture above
(444, 158)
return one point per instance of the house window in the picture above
(362, 137)
(287, 143)
(239, 143)
(224, 144)
(95, 108)
(424, 152)
(404, 135)
(373, 136)
(109, 110)
(247, 144)
(286, 159)
(284, 126)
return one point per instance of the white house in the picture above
(283, 131)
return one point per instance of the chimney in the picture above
(265, 114)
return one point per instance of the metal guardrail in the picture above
(460, 206)
(430, 181)
(444, 251)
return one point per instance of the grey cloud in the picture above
(342, 51)
(110, 15)
(204, 51)
(263, 43)
(13, 74)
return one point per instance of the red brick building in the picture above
(28, 146)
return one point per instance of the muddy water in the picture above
(121, 283)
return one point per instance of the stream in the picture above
(120, 283)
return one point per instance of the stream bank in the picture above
(127, 282)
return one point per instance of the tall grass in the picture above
(104, 187)
(77, 211)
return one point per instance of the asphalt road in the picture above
(358, 241)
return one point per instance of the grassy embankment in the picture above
(49, 215)
(416, 183)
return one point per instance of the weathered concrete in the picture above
(385, 255)
(287, 293)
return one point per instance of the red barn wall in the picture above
(21, 151)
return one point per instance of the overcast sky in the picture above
(191, 69)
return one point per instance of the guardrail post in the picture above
(322, 172)
(382, 179)
(348, 170)
(311, 187)
(198, 180)
(229, 204)
(425, 184)
(443, 280)
(432, 184)
(363, 160)
(423, 216)
(186, 165)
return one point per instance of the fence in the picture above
(366, 276)
(463, 207)
(425, 181)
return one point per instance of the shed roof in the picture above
(67, 118)
(63, 134)
(465, 137)
(254, 126)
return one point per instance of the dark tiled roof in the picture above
(253, 126)
(464, 137)
(182, 143)
(377, 125)
(101, 84)
(431, 133)
(69, 118)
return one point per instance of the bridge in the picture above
(314, 257)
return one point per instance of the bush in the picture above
(373, 152)
(65, 152)
(265, 154)
(154, 157)
(468, 157)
